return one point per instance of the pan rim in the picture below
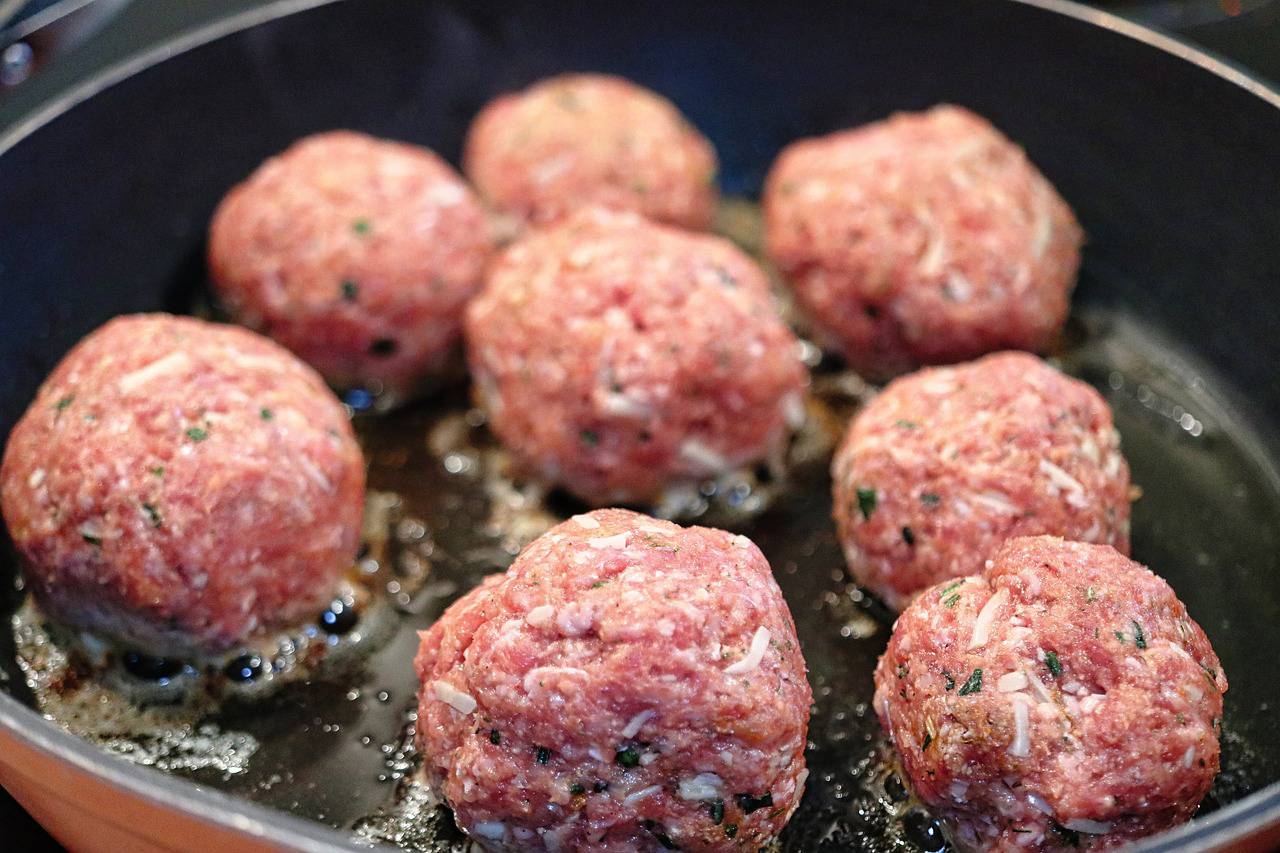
(1230, 824)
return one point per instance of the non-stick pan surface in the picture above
(1168, 158)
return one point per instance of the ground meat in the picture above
(926, 238)
(178, 486)
(628, 685)
(356, 253)
(590, 139)
(1062, 698)
(945, 464)
(615, 356)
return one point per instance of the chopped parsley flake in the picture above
(627, 757)
(902, 670)
(905, 424)
(1119, 636)
(749, 804)
(716, 809)
(1139, 638)
(951, 602)
(589, 437)
(92, 540)
(543, 755)
(866, 502)
(495, 737)
(64, 402)
(266, 414)
(153, 514)
(197, 433)
(949, 681)
(973, 685)
(576, 789)
(949, 587)
(598, 584)
(349, 290)
(930, 499)
(928, 739)
(1051, 661)
(362, 226)
(908, 536)
(157, 471)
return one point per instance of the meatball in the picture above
(1063, 697)
(178, 486)
(356, 253)
(616, 356)
(947, 463)
(923, 239)
(627, 685)
(590, 139)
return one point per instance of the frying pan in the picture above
(1168, 155)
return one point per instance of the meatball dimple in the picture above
(1062, 693)
(616, 357)
(177, 486)
(947, 463)
(357, 254)
(579, 140)
(629, 684)
(922, 239)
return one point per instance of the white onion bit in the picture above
(463, 703)
(1012, 682)
(586, 522)
(704, 786)
(1092, 827)
(759, 643)
(633, 726)
(982, 625)
(641, 794)
(1021, 746)
(616, 541)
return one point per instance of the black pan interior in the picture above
(1170, 168)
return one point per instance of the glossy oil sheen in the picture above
(1171, 170)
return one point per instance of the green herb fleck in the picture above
(949, 587)
(951, 602)
(657, 831)
(627, 757)
(749, 804)
(731, 830)
(157, 471)
(92, 540)
(866, 502)
(589, 437)
(928, 739)
(902, 670)
(908, 536)
(1051, 661)
(639, 187)
(495, 737)
(542, 755)
(716, 808)
(349, 290)
(576, 789)
(64, 402)
(197, 433)
(1139, 638)
(905, 424)
(973, 685)
(598, 584)
(1119, 636)
(266, 414)
(362, 226)
(948, 680)
(930, 499)
(153, 514)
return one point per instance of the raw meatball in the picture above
(583, 139)
(356, 253)
(178, 486)
(947, 463)
(616, 357)
(926, 238)
(1062, 698)
(628, 685)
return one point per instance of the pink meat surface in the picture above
(586, 139)
(356, 253)
(925, 238)
(616, 356)
(627, 684)
(947, 463)
(177, 486)
(1062, 697)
